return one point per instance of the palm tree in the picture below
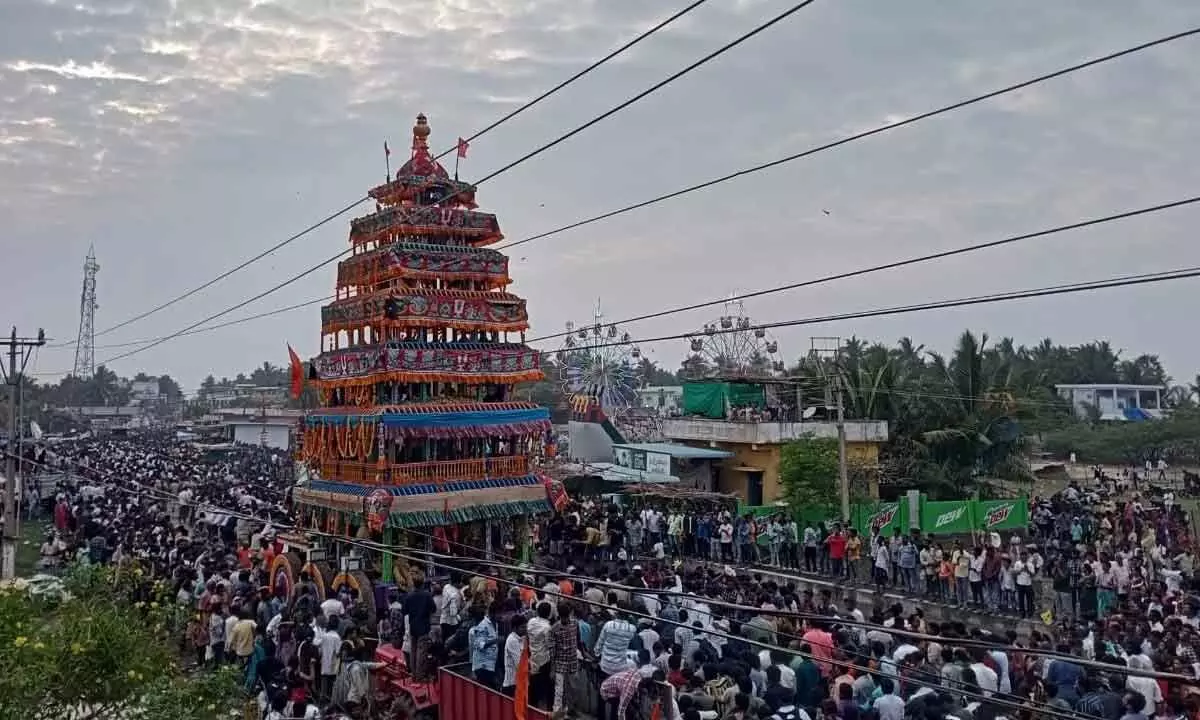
(976, 435)
(105, 388)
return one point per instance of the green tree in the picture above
(808, 472)
(653, 375)
(168, 388)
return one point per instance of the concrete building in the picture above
(143, 391)
(104, 417)
(242, 394)
(1115, 401)
(666, 400)
(752, 470)
(250, 426)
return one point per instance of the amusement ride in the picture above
(599, 367)
(731, 346)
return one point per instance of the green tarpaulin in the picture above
(709, 399)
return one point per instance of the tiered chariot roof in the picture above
(418, 366)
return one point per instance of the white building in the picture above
(223, 396)
(272, 434)
(250, 426)
(667, 400)
(143, 391)
(1115, 401)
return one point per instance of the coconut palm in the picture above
(976, 434)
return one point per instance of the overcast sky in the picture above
(184, 136)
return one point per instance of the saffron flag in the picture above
(297, 373)
(387, 151)
(521, 692)
(462, 147)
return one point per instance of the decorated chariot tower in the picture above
(420, 435)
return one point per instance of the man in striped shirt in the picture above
(612, 645)
(619, 690)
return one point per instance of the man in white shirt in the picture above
(725, 533)
(333, 609)
(541, 682)
(450, 608)
(512, 655)
(989, 681)
(329, 644)
(1023, 573)
(889, 705)
(1146, 686)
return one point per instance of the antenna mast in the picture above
(85, 344)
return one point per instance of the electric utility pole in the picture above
(827, 351)
(22, 348)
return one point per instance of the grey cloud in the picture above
(255, 120)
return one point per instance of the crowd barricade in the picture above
(461, 697)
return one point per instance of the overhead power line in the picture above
(806, 153)
(239, 321)
(506, 168)
(311, 228)
(1091, 222)
(678, 14)
(852, 138)
(653, 88)
(1046, 291)
(497, 123)
(902, 263)
(1063, 289)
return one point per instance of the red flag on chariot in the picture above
(297, 373)
(463, 145)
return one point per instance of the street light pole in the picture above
(18, 347)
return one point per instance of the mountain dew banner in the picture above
(883, 517)
(950, 517)
(959, 517)
(946, 517)
(1001, 514)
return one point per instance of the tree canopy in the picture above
(970, 414)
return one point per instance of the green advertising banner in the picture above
(947, 517)
(1002, 514)
(882, 517)
(950, 517)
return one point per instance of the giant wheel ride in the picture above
(599, 367)
(731, 346)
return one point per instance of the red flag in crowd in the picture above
(521, 692)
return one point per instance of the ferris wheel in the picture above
(732, 346)
(599, 365)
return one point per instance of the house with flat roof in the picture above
(658, 463)
(1119, 402)
(742, 419)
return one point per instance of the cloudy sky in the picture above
(181, 137)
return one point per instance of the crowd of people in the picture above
(627, 613)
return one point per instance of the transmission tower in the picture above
(85, 344)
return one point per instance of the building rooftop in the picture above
(675, 450)
(611, 472)
(1117, 386)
